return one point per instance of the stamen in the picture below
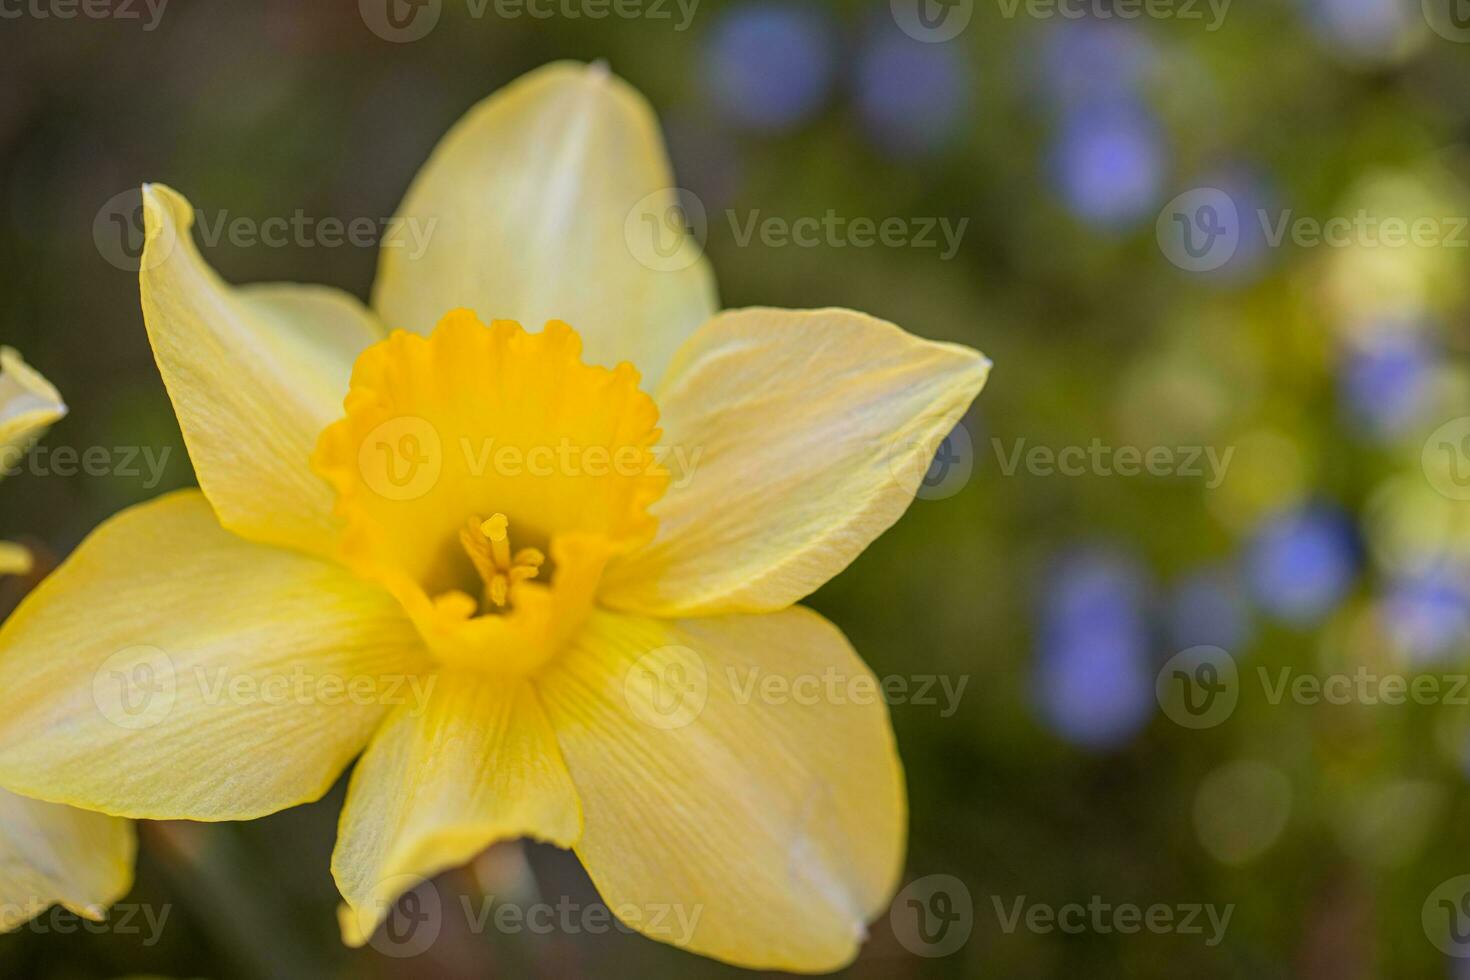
(487, 542)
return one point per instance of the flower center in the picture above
(440, 431)
(488, 545)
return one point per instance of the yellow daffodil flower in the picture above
(563, 564)
(49, 854)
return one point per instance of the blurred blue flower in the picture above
(1428, 610)
(1253, 194)
(1093, 60)
(1094, 683)
(1208, 607)
(1108, 161)
(1384, 379)
(1301, 563)
(911, 95)
(770, 65)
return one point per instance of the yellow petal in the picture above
(169, 669)
(796, 438)
(255, 374)
(477, 763)
(762, 830)
(51, 854)
(28, 404)
(526, 207)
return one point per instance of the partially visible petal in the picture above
(57, 855)
(528, 210)
(15, 559)
(765, 831)
(796, 439)
(171, 670)
(474, 763)
(255, 374)
(28, 404)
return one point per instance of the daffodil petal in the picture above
(58, 855)
(28, 404)
(530, 208)
(476, 762)
(795, 439)
(169, 669)
(762, 831)
(255, 374)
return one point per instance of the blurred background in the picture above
(1219, 256)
